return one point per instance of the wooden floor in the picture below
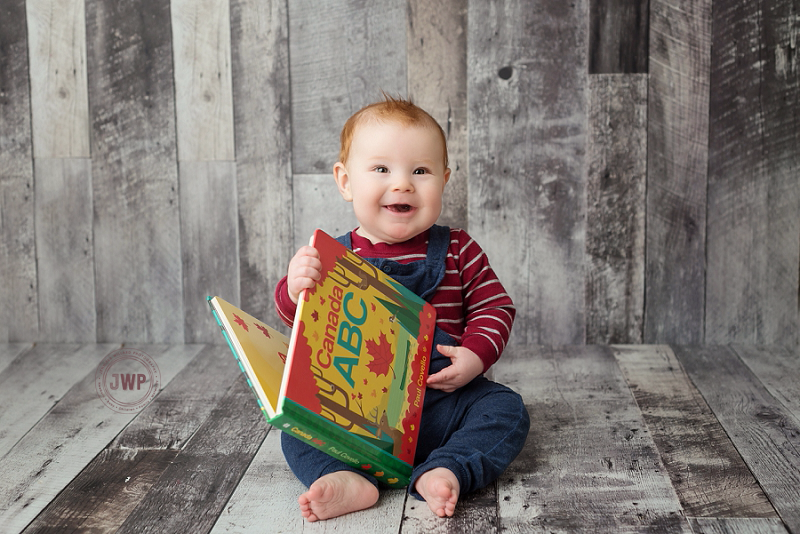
(650, 438)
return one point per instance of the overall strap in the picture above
(345, 240)
(423, 276)
(438, 244)
(439, 238)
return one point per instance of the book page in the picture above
(262, 351)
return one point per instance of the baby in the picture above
(393, 168)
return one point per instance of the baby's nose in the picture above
(402, 182)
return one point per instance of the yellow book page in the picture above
(261, 348)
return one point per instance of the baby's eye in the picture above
(381, 168)
(420, 171)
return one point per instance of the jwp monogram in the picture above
(127, 380)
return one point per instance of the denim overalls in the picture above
(475, 431)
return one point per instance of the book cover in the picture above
(351, 379)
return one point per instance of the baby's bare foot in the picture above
(439, 487)
(337, 494)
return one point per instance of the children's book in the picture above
(351, 379)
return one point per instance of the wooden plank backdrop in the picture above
(137, 227)
(677, 164)
(753, 202)
(262, 132)
(527, 89)
(615, 216)
(632, 168)
(19, 318)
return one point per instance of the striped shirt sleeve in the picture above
(472, 295)
(283, 303)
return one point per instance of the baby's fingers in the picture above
(442, 380)
(436, 378)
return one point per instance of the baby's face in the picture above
(394, 176)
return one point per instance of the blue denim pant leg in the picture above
(308, 463)
(475, 431)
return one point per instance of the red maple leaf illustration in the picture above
(238, 320)
(315, 316)
(263, 330)
(283, 356)
(382, 356)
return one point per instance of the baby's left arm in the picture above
(466, 366)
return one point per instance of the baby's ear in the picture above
(342, 181)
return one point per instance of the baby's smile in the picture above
(399, 208)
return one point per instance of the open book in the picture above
(351, 379)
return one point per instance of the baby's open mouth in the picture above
(399, 208)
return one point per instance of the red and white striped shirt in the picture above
(471, 304)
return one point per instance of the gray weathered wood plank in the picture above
(437, 82)
(201, 34)
(19, 316)
(618, 36)
(475, 512)
(209, 243)
(59, 95)
(112, 485)
(170, 421)
(737, 526)
(37, 380)
(677, 162)
(192, 491)
(737, 181)
(778, 369)
(134, 172)
(781, 101)
(263, 133)
(615, 215)
(65, 249)
(63, 442)
(268, 484)
(754, 178)
(527, 64)
(765, 433)
(318, 204)
(336, 72)
(10, 351)
(589, 463)
(103, 494)
(707, 472)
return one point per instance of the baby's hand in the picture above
(466, 366)
(304, 270)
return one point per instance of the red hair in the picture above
(389, 109)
